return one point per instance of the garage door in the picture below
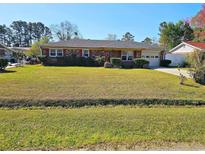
(153, 59)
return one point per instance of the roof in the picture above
(2, 46)
(5, 47)
(195, 45)
(83, 43)
(20, 48)
(200, 45)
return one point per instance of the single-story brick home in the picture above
(179, 53)
(126, 50)
(7, 53)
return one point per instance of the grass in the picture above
(101, 128)
(110, 128)
(40, 83)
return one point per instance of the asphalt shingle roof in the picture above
(83, 43)
(200, 45)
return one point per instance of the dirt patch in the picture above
(145, 146)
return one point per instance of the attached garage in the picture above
(153, 57)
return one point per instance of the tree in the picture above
(23, 34)
(35, 49)
(19, 32)
(198, 21)
(147, 40)
(2, 33)
(128, 37)
(39, 30)
(173, 34)
(111, 37)
(65, 31)
(198, 24)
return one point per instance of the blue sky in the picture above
(95, 21)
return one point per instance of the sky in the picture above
(95, 21)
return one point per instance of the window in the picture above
(147, 56)
(52, 53)
(85, 53)
(152, 56)
(124, 57)
(55, 52)
(127, 55)
(59, 53)
(156, 56)
(129, 58)
(143, 56)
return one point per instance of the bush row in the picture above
(7, 103)
(71, 61)
(136, 63)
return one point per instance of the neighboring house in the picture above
(179, 53)
(23, 50)
(7, 53)
(126, 50)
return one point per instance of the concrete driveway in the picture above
(173, 71)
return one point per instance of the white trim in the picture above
(56, 49)
(83, 53)
(184, 43)
(127, 55)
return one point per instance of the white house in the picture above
(179, 53)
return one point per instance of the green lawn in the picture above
(110, 128)
(40, 82)
(121, 127)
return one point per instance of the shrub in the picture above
(42, 59)
(3, 64)
(165, 62)
(141, 63)
(107, 65)
(68, 61)
(199, 75)
(116, 62)
(100, 60)
(127, 64)
(197, 63)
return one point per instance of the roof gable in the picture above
(185, 44)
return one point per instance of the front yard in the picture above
(99, 128)
(103, 128)
(39, 82)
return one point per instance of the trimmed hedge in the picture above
(128, 64)
(141, 63)
(13, 103)
(68, 61)
(165, 62)
(116, 62)
(3, 64)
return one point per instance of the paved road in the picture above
(173, 71)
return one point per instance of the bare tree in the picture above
(111, 36)
(65, 31)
